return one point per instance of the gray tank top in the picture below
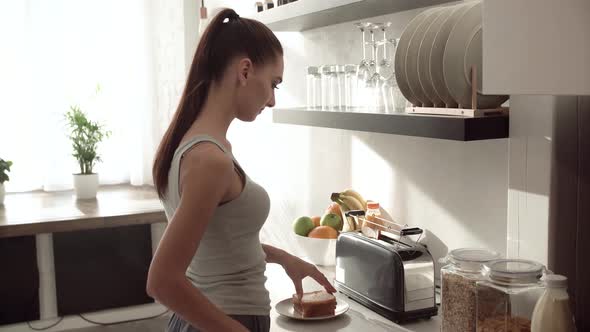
(229, 264)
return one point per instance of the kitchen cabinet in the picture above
(431, 126)
(101, 268)
(569, 229)
(536, 47)
(19, 280)
(309, 14)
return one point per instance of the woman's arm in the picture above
(204, 183)
(296, 268)
(274, 254)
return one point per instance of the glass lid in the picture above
(515, 271)
(472, 259)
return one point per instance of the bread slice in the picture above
(315, 304)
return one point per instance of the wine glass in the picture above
(385, 66)
(363, 73)
(374, 81)
(374, 78)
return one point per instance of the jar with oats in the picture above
(507, 297)
(458, 286)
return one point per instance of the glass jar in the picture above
(458, 287)
(507, 297)
(371, 224)
(330, 91)
(313, 86)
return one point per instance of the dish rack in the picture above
(465, 112)
(384, 227)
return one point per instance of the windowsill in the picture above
(49, 212)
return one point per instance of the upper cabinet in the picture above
(309, 14)
(536, 47)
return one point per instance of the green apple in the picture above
(333, 220)
(303, 225)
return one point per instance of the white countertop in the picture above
(358, 318)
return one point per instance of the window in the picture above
(54, 54)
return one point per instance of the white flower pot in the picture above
(2, 191)
(86, 185)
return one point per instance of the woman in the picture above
(210, 202)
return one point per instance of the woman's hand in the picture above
(297, 269)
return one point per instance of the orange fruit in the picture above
(316, 220)
(323, 232)
(334, 208)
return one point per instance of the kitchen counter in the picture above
(357, 319)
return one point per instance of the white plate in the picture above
(400, 56)
(285, 308)
(412, 57)
(438, 51)
(424, 57)
(464, 48)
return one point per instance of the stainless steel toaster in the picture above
(391, 275)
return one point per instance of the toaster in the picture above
(389, 274)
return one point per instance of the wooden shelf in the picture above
(309, 14)
(431, 126)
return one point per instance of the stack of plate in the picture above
(435, 55)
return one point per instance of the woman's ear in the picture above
(244, 70)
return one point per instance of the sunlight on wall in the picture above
(292, 42)
(522, 242)
(372, 175)
(295, 59)
(434, 184)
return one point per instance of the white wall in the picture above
(456, 190)
(531, 132)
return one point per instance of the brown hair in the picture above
(226, 37)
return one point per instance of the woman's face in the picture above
(256, 88)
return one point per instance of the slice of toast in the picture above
(315, 304)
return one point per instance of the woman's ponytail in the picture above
(228, 35)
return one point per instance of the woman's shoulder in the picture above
(206, 156)
(193, 138)
(205, 165)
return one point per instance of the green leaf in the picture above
(4, 169)
(85, 136)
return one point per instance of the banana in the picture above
(349, 224)
(352, 202)
(355, 194)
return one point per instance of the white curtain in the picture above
(53, 54)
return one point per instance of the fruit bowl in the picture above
(318, 251)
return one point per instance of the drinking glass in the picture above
(350, 87)
(330, 89)
(313, 87)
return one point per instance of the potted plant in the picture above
(85, 136)
(4, 169)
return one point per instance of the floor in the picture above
(149, 325)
